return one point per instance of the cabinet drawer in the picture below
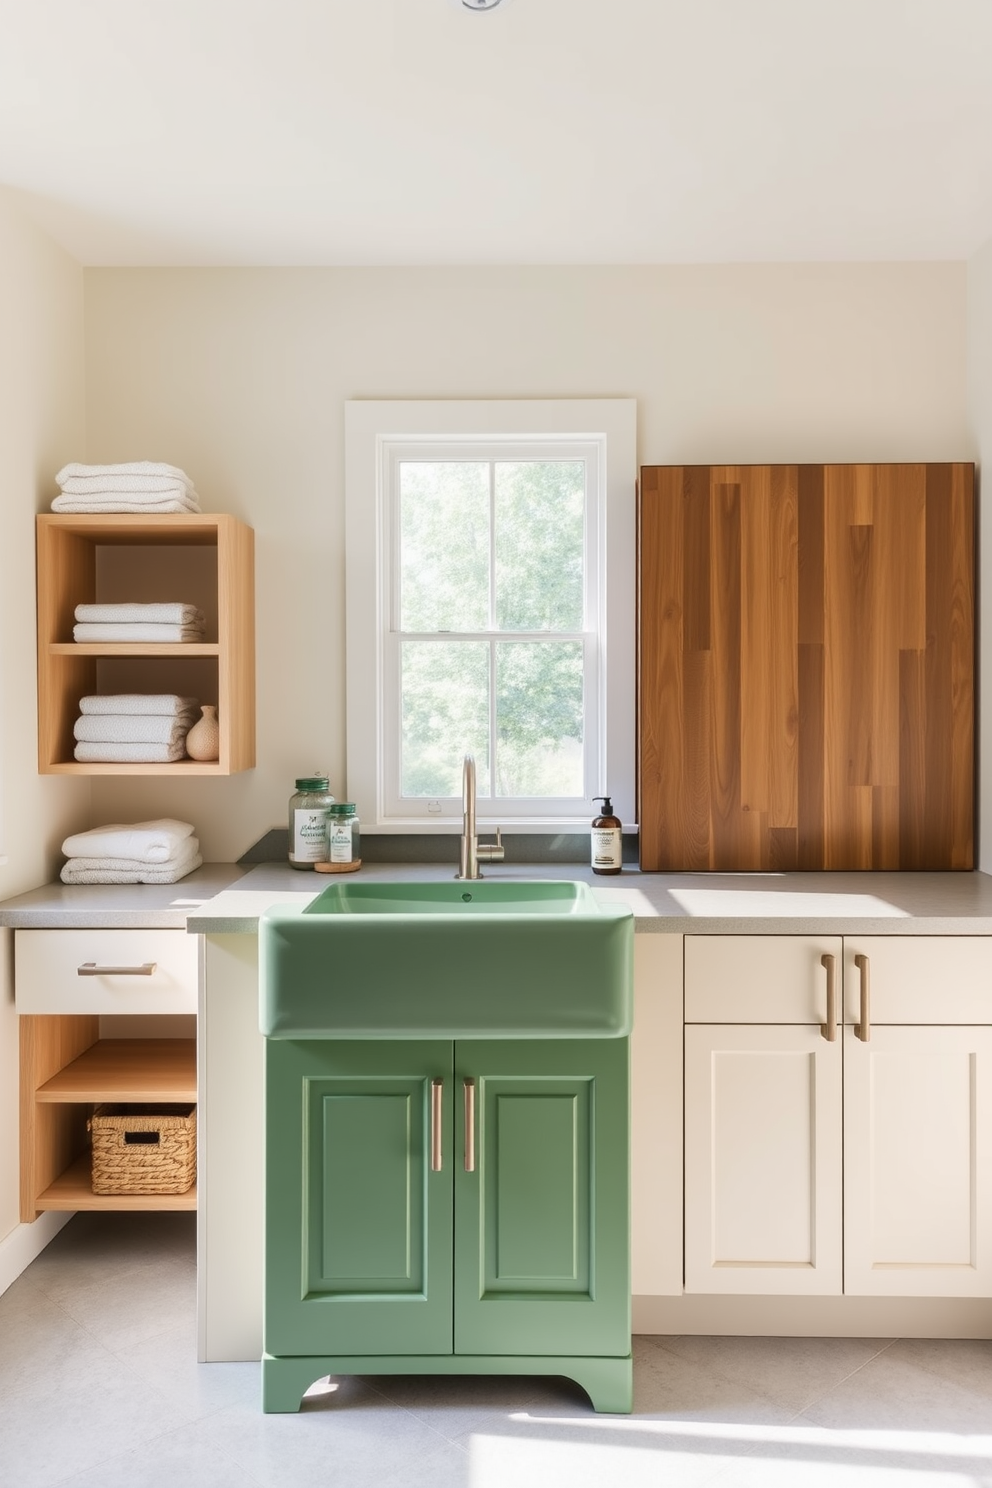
(920, 978)
(758, 978)
(47, 978)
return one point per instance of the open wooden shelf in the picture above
(180, 768)
(127, 1070)
(205, 559)
(134, 648)
(65, 1070)
(72, 1190)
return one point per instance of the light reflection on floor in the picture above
(550, 1452)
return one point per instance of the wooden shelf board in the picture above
(178, 767)
(73, 1190)
(106, 649)
(142, 1070)
(139, 527)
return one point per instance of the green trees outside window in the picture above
(490, 613)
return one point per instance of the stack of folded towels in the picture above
(142, 852)
(141, 486)
(134, 727)
(138, 622)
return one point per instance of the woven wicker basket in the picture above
(143, 1149)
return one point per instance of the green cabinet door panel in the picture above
(517, 1246)
(541, 1218)
(358, 1227)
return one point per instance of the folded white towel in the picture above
(133, 614)
(156, 504)
(136, 728)
(126, 485)
(145, 841)
(129, 865)
(140, 481)
(140, 468)
(72, 875)
(137, 702)
(130, 753)
(190, 849)
(156, 634)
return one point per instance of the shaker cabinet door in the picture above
(918, 1162)
(763, 1175)
(358, 1223)
(542, 1197)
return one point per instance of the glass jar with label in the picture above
(343, 834)
(308, 821)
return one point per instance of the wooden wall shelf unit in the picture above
(67, 1069)
(203, 559)
(806, 667)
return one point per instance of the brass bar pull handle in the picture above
(469, 1090)
(90, 968)
(829, 1028)
(863, 1028)
(437, 1094)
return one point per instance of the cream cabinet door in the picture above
(918, 1162)
(763, 1179)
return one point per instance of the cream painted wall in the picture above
(239, 376)
(41, 426)
(980, 407)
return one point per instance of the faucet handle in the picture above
(492, 852)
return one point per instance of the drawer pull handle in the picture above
(829, 1028)
(437, 1093)
(90, 968)
(863, 1028)
(470, 1126)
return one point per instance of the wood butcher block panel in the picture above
(806, 667)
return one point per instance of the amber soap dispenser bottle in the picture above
(607, 839)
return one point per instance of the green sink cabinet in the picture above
(396, 1244)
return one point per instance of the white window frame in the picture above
(373, 432)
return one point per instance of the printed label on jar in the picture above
(339, 836)
(606, 847)
(309, 836)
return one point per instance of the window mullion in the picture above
(492, 717)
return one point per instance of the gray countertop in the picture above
(59, 906)
(224, 898)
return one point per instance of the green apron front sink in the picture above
(465, 959)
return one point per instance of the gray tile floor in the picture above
(99, 1388)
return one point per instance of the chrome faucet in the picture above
(471, 851)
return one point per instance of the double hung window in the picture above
(477, 613)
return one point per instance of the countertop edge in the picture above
(227, 899)
(247, 924)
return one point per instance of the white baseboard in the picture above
(815, 1317)
(25, 1242)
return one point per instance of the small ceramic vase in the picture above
(203, 739)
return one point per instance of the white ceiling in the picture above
(549, 131)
